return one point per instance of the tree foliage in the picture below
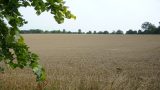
(119, 32)
(13, 50)
(130, 31)
(148, 28)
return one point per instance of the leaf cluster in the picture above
(13, 50)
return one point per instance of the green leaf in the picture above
(21, 40)
(13, 65)
(25, 3)
(40, 73)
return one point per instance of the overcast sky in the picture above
(98, 15)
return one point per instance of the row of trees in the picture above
(39, 31)
(147, 28)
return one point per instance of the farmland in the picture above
(90, 62)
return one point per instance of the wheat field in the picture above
(90, 62)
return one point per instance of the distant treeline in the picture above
(147, 28)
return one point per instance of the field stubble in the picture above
(91, 62)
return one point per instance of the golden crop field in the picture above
(90, 62)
